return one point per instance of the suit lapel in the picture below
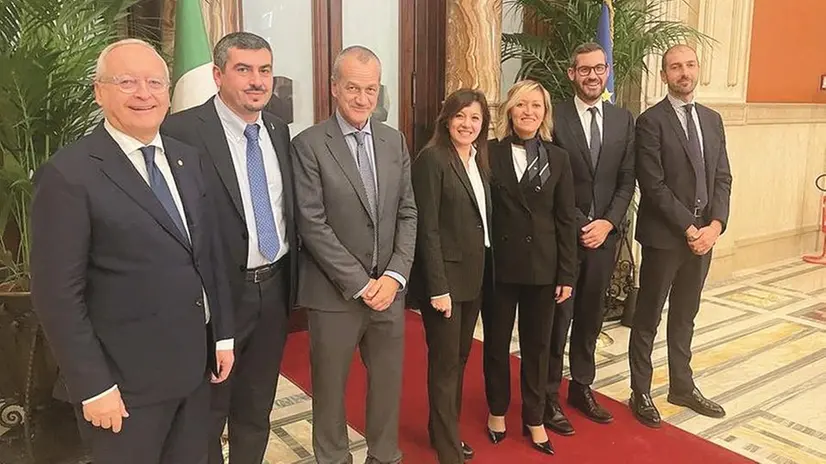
(181, 167)
(217, 148)
(508, 172)
(341, 153)
(570, 114)
(282, 152)
(671, 115)
(711, 144)
(381, 152)
(459, 169)
(122, 173)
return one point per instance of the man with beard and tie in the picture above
(247, 158)
(600, 140)
(685, 183)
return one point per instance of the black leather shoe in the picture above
(644, 410)
(544, 447)
(582, 398)
(467, 451)
(556, 420)
(496, 437)
(698, 403)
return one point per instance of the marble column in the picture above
(220, 18)
(473, 46)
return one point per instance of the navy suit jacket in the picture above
(117, 287)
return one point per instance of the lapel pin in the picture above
(272, 126)
(180, 162)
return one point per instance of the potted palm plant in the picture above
(639, 30)
(48, 50)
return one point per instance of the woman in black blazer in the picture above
(453, 200)
(534, 246)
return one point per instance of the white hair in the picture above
(100, 68)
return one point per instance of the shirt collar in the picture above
(582, 107)
(232, 121)
(347, 128)
(129, 144)
(677, 103)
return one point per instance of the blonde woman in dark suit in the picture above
(534, 245)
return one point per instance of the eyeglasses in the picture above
(585, 71)
(130, 85)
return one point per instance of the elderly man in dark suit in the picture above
(600, 139)
(685, 181)
(357, 221)
(249, 173)
(126, 273)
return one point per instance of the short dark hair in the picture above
(239, 40)
(454, 103)
(582, 49)
(671, 49)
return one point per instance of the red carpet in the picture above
(624, 441)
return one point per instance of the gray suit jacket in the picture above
(333, 219)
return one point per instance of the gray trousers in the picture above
(334, 337)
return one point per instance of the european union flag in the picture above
(605, 37)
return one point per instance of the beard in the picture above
(589, 94)
(683, 86)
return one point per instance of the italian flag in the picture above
(192, 70)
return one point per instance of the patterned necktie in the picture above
(596, 137)
(696, 155)
(366, 172)
(538, 169)
(268, 242)
(161, 189)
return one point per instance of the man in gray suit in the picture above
(357, 220)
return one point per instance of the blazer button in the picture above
(199, 303)
(529, 239)
(478, 226)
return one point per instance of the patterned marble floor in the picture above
(759, 349)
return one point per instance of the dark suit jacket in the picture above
(610, 187)
(534, 235)
(450, 243)
(334, 221)
(115, 284)
(666, 176)
(201, 128)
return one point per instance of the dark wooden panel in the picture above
(428, 68)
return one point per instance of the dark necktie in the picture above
(696, 155)
(268, 242)
(161, 189)
(366, 173)
(596, 137)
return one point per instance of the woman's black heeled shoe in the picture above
(544, 447)
(496, 437)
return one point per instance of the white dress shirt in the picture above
(585, 118)
(520, 160)
(678, 105)
(131, 147)
(234, 128)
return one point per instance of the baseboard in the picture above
(763, 249)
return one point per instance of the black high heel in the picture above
(544, 447)
(496, 437)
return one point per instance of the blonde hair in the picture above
(504, 125)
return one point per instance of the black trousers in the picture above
(683, 273)
(245, 399)
(171, 432)
(587, 309)
(448, 345)
(536, 315)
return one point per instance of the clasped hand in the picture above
(380, 293)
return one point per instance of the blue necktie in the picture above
(268, 243)
(161, 189)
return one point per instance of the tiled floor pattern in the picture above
(759, 349)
